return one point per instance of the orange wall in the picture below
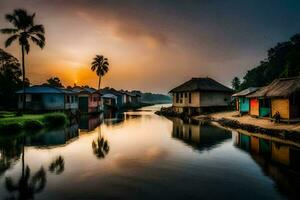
(254, 107)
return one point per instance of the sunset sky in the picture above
(153, 45)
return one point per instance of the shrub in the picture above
(55, 119)
(10, 127)
(33, 125)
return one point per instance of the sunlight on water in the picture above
(138, 154)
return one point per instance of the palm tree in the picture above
(100, 66)
(24, 30)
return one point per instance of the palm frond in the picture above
(9, 30)
(10, 40)
(37, 29)
(38, 42)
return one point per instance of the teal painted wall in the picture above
(244, 104)
(53, 101)
(264, 112)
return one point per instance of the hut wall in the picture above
(182, 99)
(254, 107)
(208, 99)
(281, 106)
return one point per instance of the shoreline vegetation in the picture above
(11, 122)
(226, 120)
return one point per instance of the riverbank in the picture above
(232, 119)
(12, 123)
(254, 125)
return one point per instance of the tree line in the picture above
(283, 61)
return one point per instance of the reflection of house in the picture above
(89, 99)
(89, 123)
(242, 102)
(200, 94)
(282, 96)
(51, 138)
(278, 160)
(45, 98)
(199, 136)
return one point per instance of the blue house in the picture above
(242, 102)
(47, 98)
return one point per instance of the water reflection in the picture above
(89, 123)
(27, 186)
(57, 166)
(201, 137)
(278, 160)
(100, 147)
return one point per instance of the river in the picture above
(139, 155)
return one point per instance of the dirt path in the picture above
(246, 119)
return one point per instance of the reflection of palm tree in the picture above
(100, 147)
(27, 187)
(57, 166)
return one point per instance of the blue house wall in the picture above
(53, 101)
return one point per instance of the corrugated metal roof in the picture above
(40, 89)
(201, 84)
(246, 92)
(282, 87)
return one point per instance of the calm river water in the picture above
(139, 155)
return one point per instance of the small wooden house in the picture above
(47, 98)
(200, 94)
(243, 102)
(89, 99)
(282, 96)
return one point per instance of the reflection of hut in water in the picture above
(278, 160)
(51, 138)
(112, 117)
(89, 123)
(199, 136)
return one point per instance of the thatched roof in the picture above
(246, 92)
(282, 87)
(201, 84)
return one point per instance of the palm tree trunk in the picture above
(99, 94)
(99, 82)
(23, 73)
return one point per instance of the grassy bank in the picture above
(11, 123)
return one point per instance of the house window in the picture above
(68, 99)
(36, 98)
(95, 98)
(181, 95)
(185, 95)
(177, 97)
(190, 97)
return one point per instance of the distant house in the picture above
(243, 102)
(89, 99)
(282, 96)
(112, 93)
(200, 94)
(47, 98)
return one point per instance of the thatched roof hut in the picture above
(201, 84)
(282, 87)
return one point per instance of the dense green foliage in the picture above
(283, 61)
(236, 84)
(10, 79)
(10, 123)
(55, 119)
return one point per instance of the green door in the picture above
(83, 104)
